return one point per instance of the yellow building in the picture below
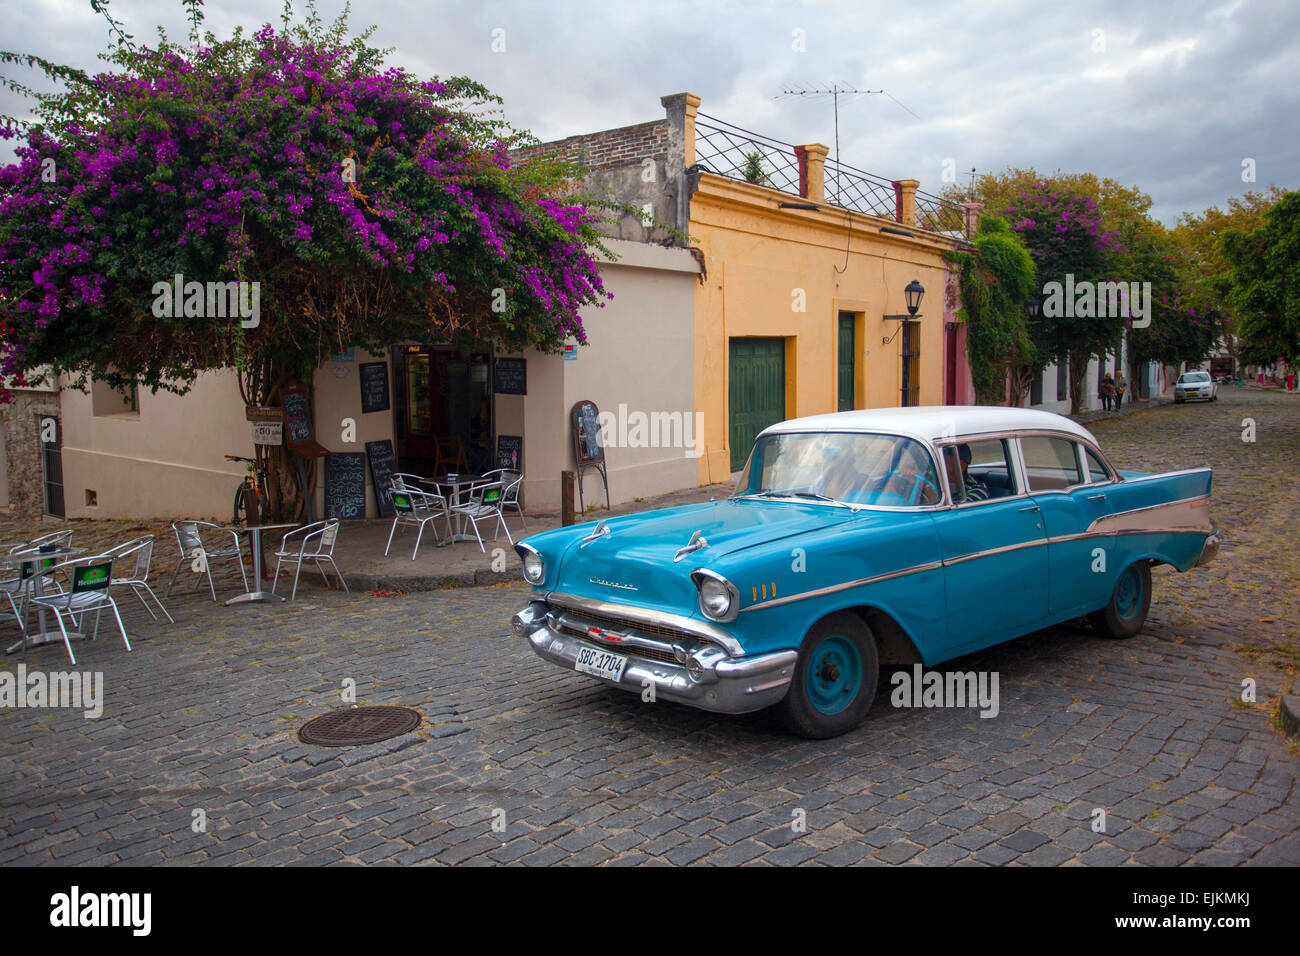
(802, 305)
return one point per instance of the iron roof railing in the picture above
(725, 149)
(729, 150)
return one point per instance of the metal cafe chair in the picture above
(317, 545)
(92, 582)
(60, 539)
(484, 504)
(141, 549)
(409, 481)
(418, 508)
(189, 539)
(19, 589)
(511, 482)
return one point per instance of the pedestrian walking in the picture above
(1121, 386)
(1107, 392)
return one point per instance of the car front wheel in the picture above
(835, 680)
(1127, 611)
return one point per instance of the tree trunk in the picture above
(1078, 369)
(1021, 380)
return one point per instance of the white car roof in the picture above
(930, 423)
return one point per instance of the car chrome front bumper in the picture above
(706, 679)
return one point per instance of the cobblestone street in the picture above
(519, 762)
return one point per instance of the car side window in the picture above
(979, 470)
(1097, 472)
(1050, 463)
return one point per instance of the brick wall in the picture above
(627, 145)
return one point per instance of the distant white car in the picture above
(1195, 386)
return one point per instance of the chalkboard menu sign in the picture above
(382, 467)
(374, 386)
(511, 376)
(510, 452)
(297, 416)
(345, 485)
(586, 433)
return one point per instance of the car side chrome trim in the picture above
(990, 552)
(819, 592)
(1167, 474)
(690, 625)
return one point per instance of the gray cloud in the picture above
(1168, 97)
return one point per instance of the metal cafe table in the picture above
(455, 483)
(255, 542)
(44, 635)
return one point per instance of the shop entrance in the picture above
(443, 418)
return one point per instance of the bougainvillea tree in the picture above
(358, 204)
(1070, 246)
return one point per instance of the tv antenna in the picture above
(835, 92)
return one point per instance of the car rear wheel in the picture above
(835, 680)
(1127, 611)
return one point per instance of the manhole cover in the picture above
(355, 726)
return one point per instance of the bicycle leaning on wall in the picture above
(250, 494)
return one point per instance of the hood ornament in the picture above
(599, 532)
(697, 543)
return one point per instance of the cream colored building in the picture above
(161, 455)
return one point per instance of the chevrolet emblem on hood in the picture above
(612, 584)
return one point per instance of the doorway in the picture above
(756, 392)
(444, 401)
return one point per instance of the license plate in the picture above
(600, 663)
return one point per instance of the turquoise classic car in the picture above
(855, 540)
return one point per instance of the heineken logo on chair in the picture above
(400, 501)
(92, 577)
(29, 567)
(491, 495)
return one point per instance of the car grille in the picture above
(578, 621)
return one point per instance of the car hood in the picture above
(633, 564)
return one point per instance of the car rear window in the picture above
(1051, 463)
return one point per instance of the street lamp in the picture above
(1032, 305)
(914, 292)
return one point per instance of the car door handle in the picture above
(1096, 497)
(1030, 508)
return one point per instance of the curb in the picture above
(1101, 415)
(433, 582)
(1291, 712)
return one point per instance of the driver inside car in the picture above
(913, 477)
(976, 490)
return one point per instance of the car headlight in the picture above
(719, 599)
(534, 566)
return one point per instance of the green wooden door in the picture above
(757, 392)
(848, 342)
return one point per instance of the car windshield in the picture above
(1195, 377)
(851, 467)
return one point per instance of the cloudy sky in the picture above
(1172, 97)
